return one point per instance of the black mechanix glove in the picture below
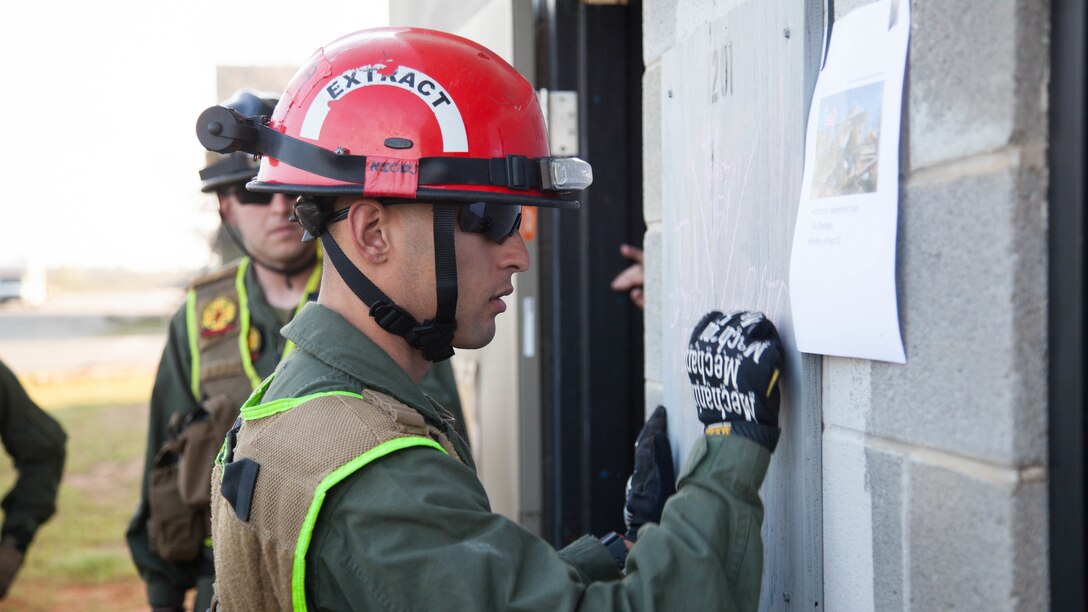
(733, 365)
(653, 479)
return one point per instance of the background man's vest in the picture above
(222, 344)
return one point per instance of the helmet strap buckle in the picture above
(393, 319)
(432, 339)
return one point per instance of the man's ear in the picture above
(226, 211)
(369, 222)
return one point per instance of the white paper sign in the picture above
(842, 266)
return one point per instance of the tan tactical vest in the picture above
(219, 332)
(277, 475)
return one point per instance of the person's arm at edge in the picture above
(36, 443)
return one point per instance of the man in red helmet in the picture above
(221, 344)
(342, 486)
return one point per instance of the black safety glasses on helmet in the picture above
(251, 197)
(496, 221)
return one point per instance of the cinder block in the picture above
(1033, 71)
(972, 305)
(653, 323)
(885, 475)
(846, 392)
(863, 525)
(658, 29)
(976, 77)
(847, 526)
(1031, 568)
(651, 145)
(976, 545)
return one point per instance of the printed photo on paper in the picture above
(848, 142)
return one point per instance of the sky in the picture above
(98, 155)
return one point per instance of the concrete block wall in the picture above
(934, 472)
(953, 444)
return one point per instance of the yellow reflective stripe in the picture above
(774, 379)
(221, 456)
(243, 332)
(194, 352)
(260, 411)
(311, 286)
(298, 574)
(253, 400)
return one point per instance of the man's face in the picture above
(265, 230)
(485, 270)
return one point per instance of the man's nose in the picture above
(515, 254)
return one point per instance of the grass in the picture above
(61, 392)
(79, 559)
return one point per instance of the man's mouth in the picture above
(496, 300)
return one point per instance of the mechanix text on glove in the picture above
(733, 364)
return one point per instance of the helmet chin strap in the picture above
(434, 337)
(286, 272)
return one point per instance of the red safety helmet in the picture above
(405, 114)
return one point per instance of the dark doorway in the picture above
(591, 348)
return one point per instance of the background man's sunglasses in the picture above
(496, 221)
(251, 197)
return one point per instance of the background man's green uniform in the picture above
(36, 444)
(414, 530)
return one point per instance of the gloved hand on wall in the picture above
(653, 479)
(733, 364)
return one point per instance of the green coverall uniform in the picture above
(36, 444)
(413, 530)
(168, 581)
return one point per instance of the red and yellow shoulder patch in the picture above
(219, 316)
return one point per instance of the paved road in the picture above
(93, 333)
